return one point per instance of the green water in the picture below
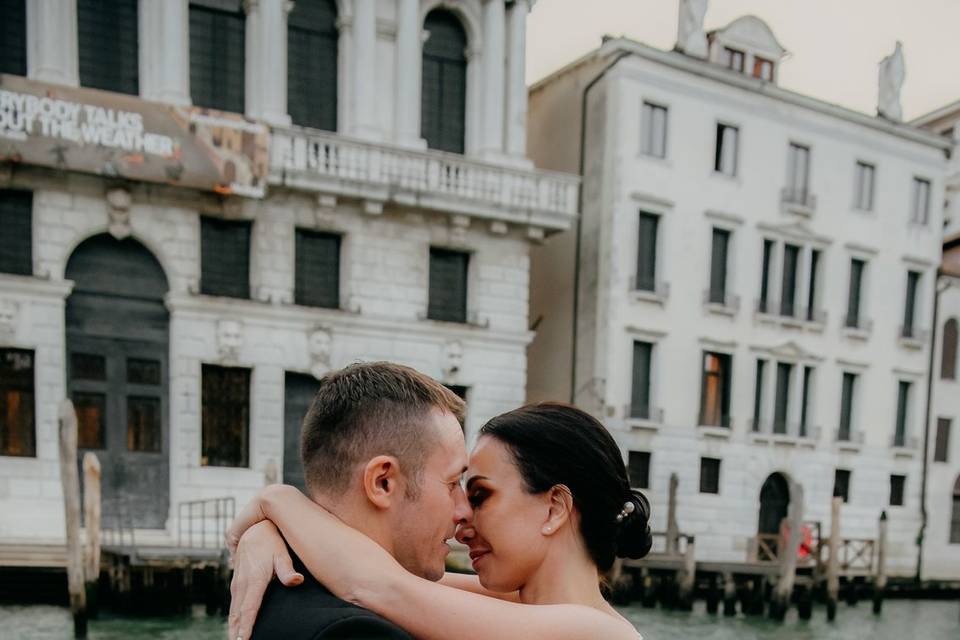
(901, 620)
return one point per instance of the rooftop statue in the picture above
(691, 38)
(892, 73)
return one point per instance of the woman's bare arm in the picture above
(471, 583)
(358, 570)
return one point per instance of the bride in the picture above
(551, 510)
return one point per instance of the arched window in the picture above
(955, 515)
(443, 97)
(312, 64)
(948, 367)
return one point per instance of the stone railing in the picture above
(377, 173)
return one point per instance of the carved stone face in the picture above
(8, 317)
(453, 358)
(320, 343)
(229, 339)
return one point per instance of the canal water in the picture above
(901, 620)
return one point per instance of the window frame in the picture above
(723, 394)
(650, 146)
(898, 490)
(647, 458)
(27, 392)
(720, 152)
(209, 227)
(245, 460)
(864, 172)
(301, 296)
(16, 251)
(434, 311)
(841, 484)
(710, 475)
(920, 201)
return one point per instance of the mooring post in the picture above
(673, 531)
(880, 580)
(729, 595)
(788, 555)
(91, 519)
(713, 594)
(833, 561)
(67, 423)
(689, 574)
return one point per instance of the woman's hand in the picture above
(259, 555)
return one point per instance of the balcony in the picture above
(790, 315)
(721, 302)
(798, 200)
(643, 417)
(718, 426)
(903, 446)
(649, 289)
(783, 433)
(857, 327)
(848, 440)
(912, 338)
(327, 163)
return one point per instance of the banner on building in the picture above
(118, 135)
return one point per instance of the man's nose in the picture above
(462, 512)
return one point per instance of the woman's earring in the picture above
(547, 529)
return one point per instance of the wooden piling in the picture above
(788, 555)
(688, 575)
(67, 423)
(880, 579)
(673, 530)
(648, 595)
(713, 595)
(833, 561)
(91, 519)
(729, 595)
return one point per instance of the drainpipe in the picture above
(576, 254)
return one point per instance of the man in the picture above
(382, 449)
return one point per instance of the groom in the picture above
(382, 449)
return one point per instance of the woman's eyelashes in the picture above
(477, 496)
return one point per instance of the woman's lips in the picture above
(476, 555)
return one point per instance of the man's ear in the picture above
(560, 511)
(382, 481)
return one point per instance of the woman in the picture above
(552, 509)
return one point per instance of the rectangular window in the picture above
(107, 44)
(857, 268)
(715, 390)
(448, 285)
(812, 288)
(896, 490)
(903, 406)
(317, 278)
(224, 258)
(798, 173)
(733, 59)
(758, 394)
(647, 252)
(863, 194)
(805, 401)
(91, 410)
(764, 305)
(709, 475)
(910, 304)
(16, 241)
(849, 386)
(13, 37)
(955, 517)
(217, 54)
(638, 467)
(312, 76)
(640, 391)
(17, 428)
(921, 201)
(788, 289)
(726, 154)
(941, 451)
(718, 266)
(225, 399)
(782, 400)
(143, 424)
(654, 139)
(841, 484)
(763, 68)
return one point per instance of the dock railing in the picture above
(202, 523)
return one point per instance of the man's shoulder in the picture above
(310, 612)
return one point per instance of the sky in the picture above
(834, 45)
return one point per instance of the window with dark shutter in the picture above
(709, 475)
(725, 153)
(317, 278)
(812, 288)
(948, 360)
(107, 44)
(16, 241)
(638, 468)
(955, 514)
(225, 437)
(764, 304)
(910, 304)
(863, 197)
(715, 386)
(805, 400)
(13, 37)
(718, 266)
(17, 425)
(941, 450)
(758, 394)
(781, 402)
(897, 484)
(841, 484)
(443, 93)
(788, 289)
(846, 406)
(903, 399)
(653, 141)
(448, 285)
(853, 295)
(217, 54)
(224, 258)
(640, 391)
(312, 46)
(647, 252)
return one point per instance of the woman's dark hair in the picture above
(558, 444)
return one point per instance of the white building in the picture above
(187, 316)
(754, 288)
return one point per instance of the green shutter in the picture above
(13, 37)
(941, 451)
(784, 373)
(224, 258)
(853, 296)
(108, 45)
(317, 277)
(909, 307)
(788, 290)
(765, 275)
(903, 398)
(448, 285)
(948, 363)
(846, 406)
(647, 252)
(443, 94)
(758, 394)
(805, 399)
(718, 266)
(16, 241)
(640, 392)
(312, 47)
(217, 58)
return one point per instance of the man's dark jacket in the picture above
(310, 611)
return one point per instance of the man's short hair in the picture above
(370, 409)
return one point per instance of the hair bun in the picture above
(633, 537)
